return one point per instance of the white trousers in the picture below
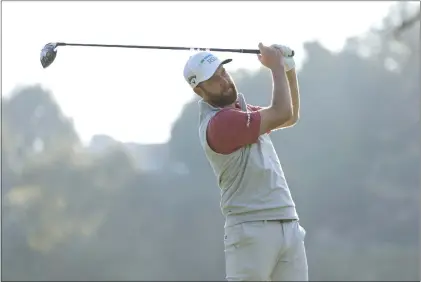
(265, 251)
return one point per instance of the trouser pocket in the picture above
(251, 250)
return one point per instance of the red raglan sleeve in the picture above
(254, 108)
(231, 129)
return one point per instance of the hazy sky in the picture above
(133, 94)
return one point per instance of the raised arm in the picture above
(280, 111)
(295, 99)
(231, 128)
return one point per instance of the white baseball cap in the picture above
(201, 66)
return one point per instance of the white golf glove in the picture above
(286, 51)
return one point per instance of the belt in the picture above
(283, 220)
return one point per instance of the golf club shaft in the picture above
(246, 51)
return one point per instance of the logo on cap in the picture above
(209, 58)
(192, 79)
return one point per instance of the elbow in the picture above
(295, 119)
(285, 115)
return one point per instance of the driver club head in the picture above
(48, 54)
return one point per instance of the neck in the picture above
(222, 107)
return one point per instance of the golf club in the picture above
(49, 52)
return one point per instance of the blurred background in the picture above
(111, 208)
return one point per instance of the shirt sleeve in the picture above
(257, 108)
(231, 129)
(254, 108)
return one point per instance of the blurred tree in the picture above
(409, 17)
(37, 122)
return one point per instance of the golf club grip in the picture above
(245, 51)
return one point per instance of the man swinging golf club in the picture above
(263, 238)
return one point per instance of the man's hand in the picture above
(289, 62)
(271, 57)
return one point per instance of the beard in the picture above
(226, 98)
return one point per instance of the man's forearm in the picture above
(295, 93)
(280, 110)
(295, 98)
(281, 97)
